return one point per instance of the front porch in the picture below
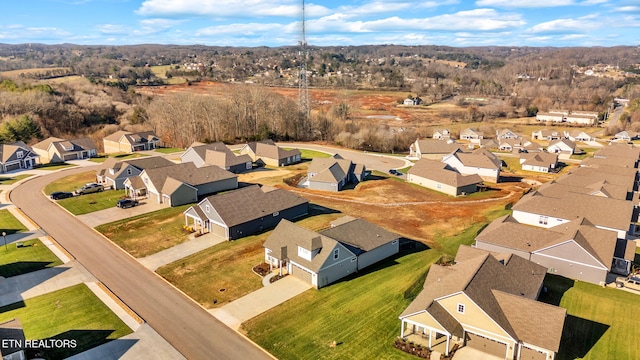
(434, 339)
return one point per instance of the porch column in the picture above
(430, 337)
(186, 220)
(402, 329)
(446, 350)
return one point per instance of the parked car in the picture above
(57, 195)
(631, 282)
(126, 203)
(89, 188)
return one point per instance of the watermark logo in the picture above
(39, 344)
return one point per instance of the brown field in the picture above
(16, 73)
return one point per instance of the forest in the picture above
(36, 101)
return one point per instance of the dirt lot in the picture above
(407, 209)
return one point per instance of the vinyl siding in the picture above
(191, 156)
(380, 253)
(334, 270)
(433, 185)
(217, 186)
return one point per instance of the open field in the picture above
(149, 233)
(12, 179)
(161, 72)
(84, 204)
(9, 223)
(228, 266)
(601, 322)
(359, 313)
(32, 257)
(74, 313)
(71, 182)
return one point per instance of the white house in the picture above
(564, 146)
(539, 162)
(578, 135)
(481, 162)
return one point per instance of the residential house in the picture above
(13, 340)
(548, 116)
(489, 144)
(506, 134)
(509, 144)
(481, 162)
(181, 184)
(582, 119)
(412, 101)
(54, 150)
(16, 156)
(604, 212)
(532, 146)
(619, 161)
(129, 142)
(585, 175)
(621, 150)
(322, 258)
(547, 134)
(564, 146)
(486, 302)
(271, 154)
(626, 135)
(441, 134)
(600, 188)
(217, 154)
(432, 149)
(472, 135)
(113, 173)
(438, 176)
(578, 135)
(334, 173)
(540, 162)
(577, 249)
(245, 211)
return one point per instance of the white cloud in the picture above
(24, 33)
(472, 20)
(112, 29)
(239, 29)
(525, 3)
(578, 25)
(629, 8)
(224, 8)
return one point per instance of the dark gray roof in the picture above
(269, 149)
(361, 234)
(249, 203)
(187, 173)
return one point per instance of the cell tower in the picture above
(303, 83)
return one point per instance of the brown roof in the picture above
(171, 185)
(620, 161)
(269, 149)
(187, 173)
(533, 322)
(225, 158)
(361, 234)
(623, 150)
(136, 183)
(8, 151)
(602, 211)
(44, 144)
(249, 203)
(614, 175)
(438, 171)
(432, 146)
(289, 235)
(329, 170)
(568, 143)
(539, 159)
(598, 188)
(132, 138)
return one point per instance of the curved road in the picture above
(183, 323)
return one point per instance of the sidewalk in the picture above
(153, 262)
(251, 305)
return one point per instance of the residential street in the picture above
(184, 324)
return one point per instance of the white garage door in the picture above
(532, 354)
(486, 345)
(300, 273)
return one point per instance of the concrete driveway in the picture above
(468, 353)
(236, 312)
(115, 213)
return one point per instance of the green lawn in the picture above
(149, 233)
(169, 150)
(9, 223)
(74, 313)
(228, 266)
(32, 257)
(71, 182)
(310, 154)
(55, 166)
(601, 322)
(103, 158)
(85, 204)
(8, 180)
(361, 313)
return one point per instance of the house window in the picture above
(146, 181)
(206, 208)
(543, 220)
(19, 154)
(461, 308)
(276, 213)
(304, 253)
(336, 254)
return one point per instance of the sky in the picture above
(328, 22)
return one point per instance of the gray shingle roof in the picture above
(434, 146)
(249, 203)
(438, 171)
(187, 173)
(361, 234)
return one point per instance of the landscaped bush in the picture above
(411, 348)
(262, 269)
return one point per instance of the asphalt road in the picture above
(184, 324)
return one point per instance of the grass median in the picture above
(73, 313)
(148, 233)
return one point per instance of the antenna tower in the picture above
(303, 82)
